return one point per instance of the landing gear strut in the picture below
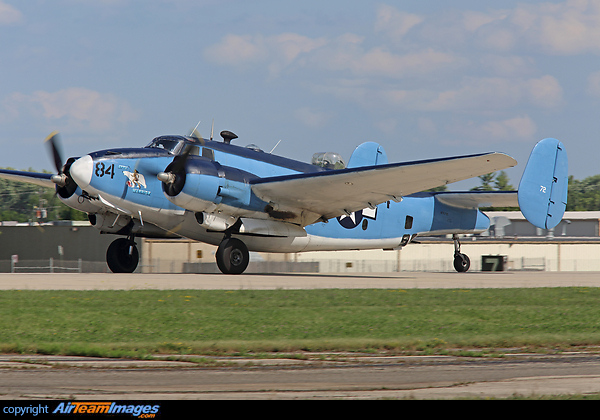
(461, 261)
(122, 255)
(232, 256)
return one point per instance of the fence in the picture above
(53, 265)
(428, 257)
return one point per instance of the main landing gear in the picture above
(461, 261)
(122, 255)
(232, 256)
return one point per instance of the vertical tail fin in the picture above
(543, 187)
(368, 154)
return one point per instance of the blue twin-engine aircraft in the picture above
(243, 199)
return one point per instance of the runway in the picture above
(314, 376)
(403, 280)
(345, 377)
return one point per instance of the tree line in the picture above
(24, 202)
(583, 195)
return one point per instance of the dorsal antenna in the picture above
(275, 146)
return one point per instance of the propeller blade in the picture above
(65, 186)
(179, 161)
(173, 177)
(53, 142)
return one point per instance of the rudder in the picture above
(544, 184)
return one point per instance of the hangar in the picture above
(574, 245)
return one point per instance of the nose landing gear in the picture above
(462, 263)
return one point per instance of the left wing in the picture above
(333, 193)
(29, 177)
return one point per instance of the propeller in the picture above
(173, 177)
(65, 186)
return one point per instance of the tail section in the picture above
(368, 154)
(543, 188)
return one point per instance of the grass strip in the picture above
(137, 323)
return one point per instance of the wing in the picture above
(29, 177)
(333, 193)
(477, 199)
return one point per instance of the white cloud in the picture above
(79, 108)
(567, 28)
(9, 15)
(394, 22)
(381, 62)
(519, 129)
(344, 53)
(311, 117)
(496, 93)
(277, 51)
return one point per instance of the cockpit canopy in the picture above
(328, 160)
(174, 144)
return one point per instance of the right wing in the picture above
(29, 177)
(334, 193)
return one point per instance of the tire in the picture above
(232, 256)
(118, 258)
(462, 263)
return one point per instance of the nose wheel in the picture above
(462, 263)
(232, 256)
(122, 256)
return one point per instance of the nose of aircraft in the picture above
(81, 171)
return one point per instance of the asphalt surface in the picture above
(403, 280)
(315, 376)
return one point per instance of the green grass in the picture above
(144, 322)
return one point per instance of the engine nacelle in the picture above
(215, 222)
(107, 222)
(200, 185)
(200, 193)
(193, 185)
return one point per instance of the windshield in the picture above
(166, 143)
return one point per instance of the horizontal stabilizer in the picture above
(478, 199)
(543, 188)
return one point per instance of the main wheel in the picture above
(122, 256)
(232, 256)
(462, 263)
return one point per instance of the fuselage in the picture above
(216, 191)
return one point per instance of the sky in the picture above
(424, 79)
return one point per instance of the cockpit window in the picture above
(169, 144)
(328, 160)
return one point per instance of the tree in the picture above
(23, 202)
(584, 195)
(494, 182)
(502, 183)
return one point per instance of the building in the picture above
(574, 245)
